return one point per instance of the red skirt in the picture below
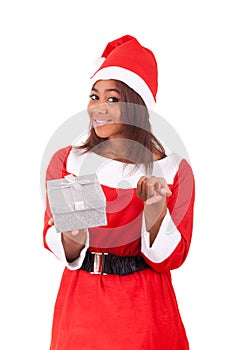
(102, 312)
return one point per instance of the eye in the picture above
(94, 97)
(113, 99)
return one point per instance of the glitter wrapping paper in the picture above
(77, 202)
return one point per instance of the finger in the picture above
(142, 178)
(166, 192)
(78, 236)
(159, 183)
(162, 187)
(153, 186)
(139, 184)
(144, 189)
(141, 187)
(51, 222)
(150, 189)
(74, 232)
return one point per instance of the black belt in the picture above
(105, 263)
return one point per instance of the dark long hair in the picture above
(141, 146)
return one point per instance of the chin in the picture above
(109, 131)
(102, 132)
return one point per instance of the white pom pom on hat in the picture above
(125, 59)
(98, 63)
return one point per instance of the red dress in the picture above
(137, 311)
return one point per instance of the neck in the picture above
(117, 149)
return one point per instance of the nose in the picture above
(99, 108)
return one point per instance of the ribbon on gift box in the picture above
(74, 182)
(83, 197)
(77, 184)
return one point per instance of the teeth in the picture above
(102, 121)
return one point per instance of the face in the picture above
(104, 109)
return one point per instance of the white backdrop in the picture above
(47, 51)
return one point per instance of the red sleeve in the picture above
(179, 224)
(56, 170)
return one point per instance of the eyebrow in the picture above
(106, 90)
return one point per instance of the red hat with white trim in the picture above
(125, 59)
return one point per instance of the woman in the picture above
(116, 290)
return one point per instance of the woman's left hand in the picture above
(153, 190)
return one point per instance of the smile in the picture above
(100, 122)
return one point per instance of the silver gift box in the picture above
(77, 202)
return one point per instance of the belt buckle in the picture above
(98, 263)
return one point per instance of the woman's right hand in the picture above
(73, 241)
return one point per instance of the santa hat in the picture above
(126, 60)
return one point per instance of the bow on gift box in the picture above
(78, 180)
(80, 195)
(77, 184)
